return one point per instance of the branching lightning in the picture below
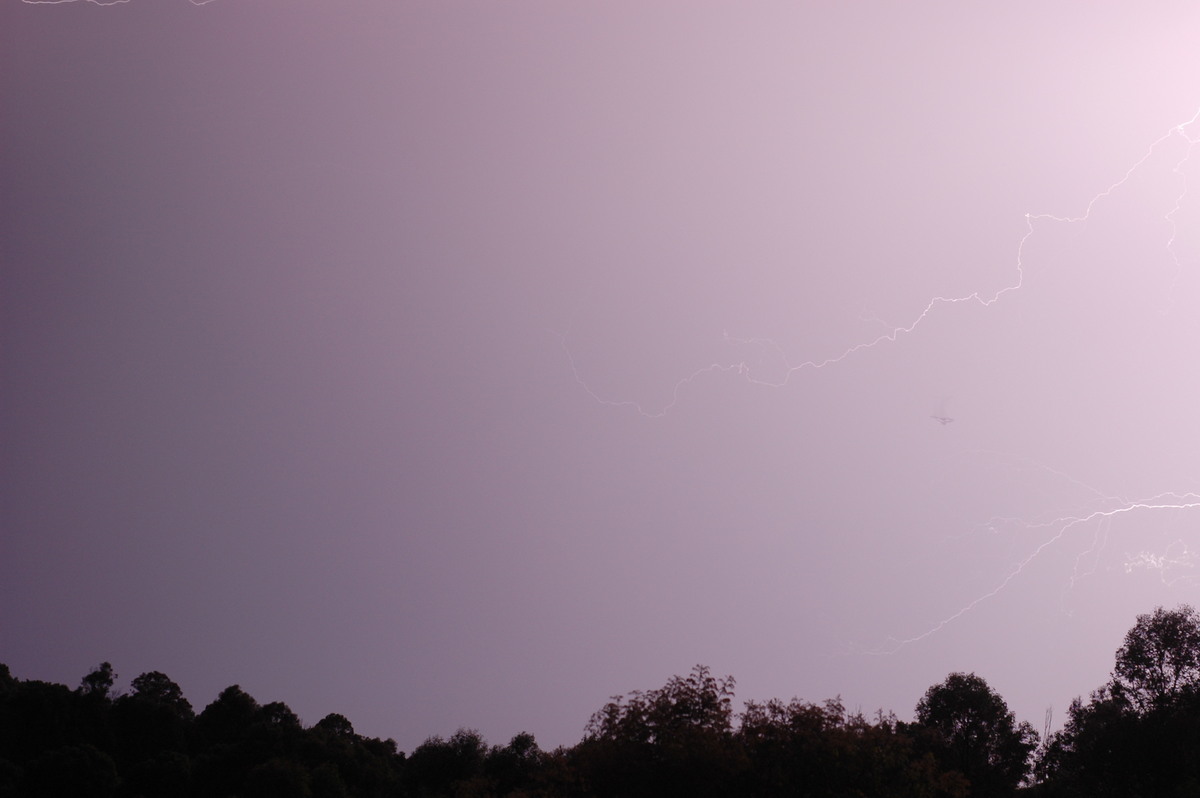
(1178, 556)
(746, 370)
(1061, 527)
(1176, 564)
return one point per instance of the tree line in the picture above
(1138, 735)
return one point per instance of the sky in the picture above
(464, 364)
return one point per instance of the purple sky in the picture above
(458, 364)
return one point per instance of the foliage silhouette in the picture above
(154, 689)
(676, 740)
(1137, 736)
(972, 732)
(821, 750)
(1160, 657)
(99, 682)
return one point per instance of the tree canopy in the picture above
(973, 732)
(1160, 657)
(1136, 736)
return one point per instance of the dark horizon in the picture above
(1135, 735)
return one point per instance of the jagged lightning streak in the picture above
(1098, 514)
(745, 370)
(1178, 555)
(1171, 214)
(992, 523)
(1061, 526)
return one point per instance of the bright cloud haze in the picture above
(464, 364)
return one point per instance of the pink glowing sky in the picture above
(442, 364)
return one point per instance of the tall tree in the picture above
(156, 689)
(1138, 735)
(229, 717)
(974, 733)
(676, 740)
(154, 718)
(443, 767)
(99, 682)
(1160, 657)
(685, 704)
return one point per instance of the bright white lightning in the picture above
(745, 369)
(1101, 513)
(1061, 526)
(1178, 556)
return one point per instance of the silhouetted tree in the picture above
(439, 767)
(697, 702)
(514, 766)
(974, 733)
(343, 763)
(155, 689)
(789, 744)
(225, 751)
(1138, 735)
(148, 743)
(39, 717)
(152, 720)
(99, 682)
(90, 721)
(229, 717)
(821, 751)
(337, 725)
(676, 740)
(1160, 657)
(8, 684)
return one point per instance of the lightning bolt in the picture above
(1097, 514)
(1178, 555)
(746, 370)
(1061, 527)
(991, 525)
(1177, 563)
